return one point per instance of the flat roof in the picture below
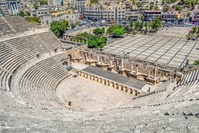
(170, 51)
(132, 82)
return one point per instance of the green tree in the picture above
(179, 8)
(59, 27)
(166, 8)
(103, 30)
(43, 2)
(196, 62)
(116, 30)
(190, 3)
(146, 26)
(94, 1)
(94, 41)
(157, 8)
(72, 25)
(139, 25)
(33, 19)
(155, 24)
(98, 31)
(195, 29)
(198, 30)
(35, 6)
(22, 14)
(133, 1)
(27, 13)
(132, 25)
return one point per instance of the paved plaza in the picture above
(88, 95)
(172, 52)
(179, 32)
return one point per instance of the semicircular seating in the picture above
(37, 85)
(39, 81)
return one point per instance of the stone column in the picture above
(136, 69)
(97, 58)
(131, 67)
(148, 73)
(111, 62)
(122, 64)
(155, 73)
(85, 55)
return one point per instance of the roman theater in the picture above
(136, 84)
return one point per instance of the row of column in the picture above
(76, 39)
(122, 65)
(109, 83)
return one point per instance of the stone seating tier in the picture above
(50, 40)
(38, 83)
(190, 77)
(4, 28)
(19, 23)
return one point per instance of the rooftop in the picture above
(167, 51)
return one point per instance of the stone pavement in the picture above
(135, 83)
(172, 52)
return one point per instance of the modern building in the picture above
(170, 16)
(71, 17)
(10, 7)
(69, 3)
(112, 12)
(152, 14)
(41, 11)
(195, 18)
(154, 2)
(79, 5)
(52, 3)
(135, 14)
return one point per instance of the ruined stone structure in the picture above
(76, 39)
(110, 83)
(32, 66)
(123, 65)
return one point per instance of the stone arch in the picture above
(96, 78)
(82, 74)
(111, 84)
(125, 89)
(79, 73)
(103, 81)
(119, 87)
(129, 90)
(86, 75)
(89, 76)
(92, 77)
(99, 80)
(134, 92)
(115, 85)
(107, 82)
